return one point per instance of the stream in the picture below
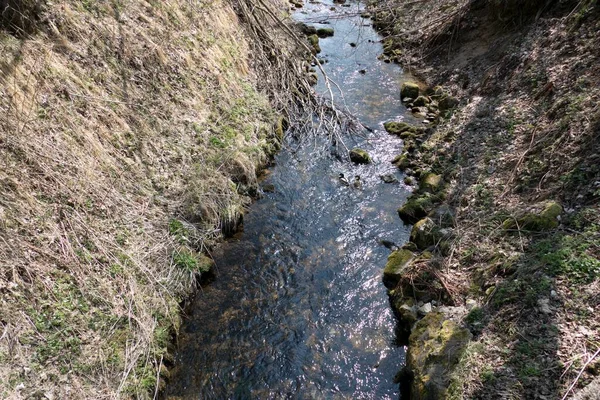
(298, 309)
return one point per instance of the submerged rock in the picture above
(409, 89)
(359, 156)
(395, 267)
(389, 178)
(435, 347)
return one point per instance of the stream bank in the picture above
(515, 161)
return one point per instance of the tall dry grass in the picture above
(120, 121)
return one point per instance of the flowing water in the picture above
(298, 309)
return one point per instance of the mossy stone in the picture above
(435, 347)
(425, 233)
(544, 221)
(410, 90)
(402, 129)
(396, 265)
(314, 42)
(420, 101)
(414, 209)
(447, 102)
(402, 161)
(430, 183)
(324, 32)
(359, 156)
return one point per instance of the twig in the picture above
(580, 373)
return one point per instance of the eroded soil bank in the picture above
(510, 179)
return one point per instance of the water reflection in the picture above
(298, 309)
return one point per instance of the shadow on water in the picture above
(297, 309)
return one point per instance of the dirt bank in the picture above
(518, 156)
(130, 139)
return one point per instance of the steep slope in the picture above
(519, 151)
(130, 138)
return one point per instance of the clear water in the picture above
(298, 309)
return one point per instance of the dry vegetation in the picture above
(130, 138)
(527, 132)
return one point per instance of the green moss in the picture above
(435, 348)
(314, 42)
(359, 156)
(409, 90)
(399, 128)
(396, 265)
(421, 101)
(544, 221)
(324, 32)
(425, 233)
(415, 208)
(402, 161)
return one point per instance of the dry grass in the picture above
(116, 118)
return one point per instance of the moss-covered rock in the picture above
(308, 29)
(395, 267)
(402, 161)
(409, 90)
(431, 183)
(415, 208)
(406, 311)
(359, 156)
(420, 101)
(544, 221)
(314, 42)
(402, 129)
(435, 347)
(447, 102)
(324, 32)
(425, 233)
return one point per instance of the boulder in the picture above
(425, 233)
(396, 265)
(359, 156)
(435, 347)
(409, 89)
(415, 208)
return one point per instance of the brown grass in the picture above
(116, 118)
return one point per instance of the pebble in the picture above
(471, 304)
(425, 309)
(553, 294)
(544, 304)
